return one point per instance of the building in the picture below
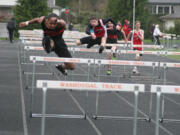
(55, 9)
(6, 9)
(169, 11)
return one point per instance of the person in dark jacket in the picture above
(11, 27)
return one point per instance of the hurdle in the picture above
(88, 86)
(100, 62)
(163, 89)
(165, 67)
(35, 59)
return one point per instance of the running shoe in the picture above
(135, 71)
(101, 48)
(61, 69)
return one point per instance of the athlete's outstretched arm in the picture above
(35, 20)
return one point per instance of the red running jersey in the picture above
(137, 40)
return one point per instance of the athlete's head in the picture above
(94, 21)
(51, 21)
(126, 22)
(110, 24)
(137, 24)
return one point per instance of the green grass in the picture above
(176, 57)
(3, 38)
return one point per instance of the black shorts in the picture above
(61, 48)
(110, 41)
(108, 47)
(90, 41)
(138, 50)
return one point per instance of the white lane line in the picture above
(22, 96)
(140, 111)
(83, 111)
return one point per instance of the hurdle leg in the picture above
(157, 111)
(97, 93)
(87, 93)
(32, 87)
(97, 102)
(151, 95)
(158, 70)
(136, 94)
(163, 100)
(43, 119)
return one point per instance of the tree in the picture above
(119, 10)
(29, 9)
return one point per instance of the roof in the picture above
(172, 16)
(165, 1)
(7, 3)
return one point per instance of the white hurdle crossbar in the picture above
(89, 86)
(56, 60)
(163, 89)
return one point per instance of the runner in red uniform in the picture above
(98, 33)
(126, 29)
(138, 37)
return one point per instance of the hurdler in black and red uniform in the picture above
(53, 29)
(112, 37)
(98, 32)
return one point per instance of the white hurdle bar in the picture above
(163, 89)
(89, 86)
(39, 48)
(35, 59)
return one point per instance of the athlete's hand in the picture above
(93, 36)
(22, 24)
(126, 40)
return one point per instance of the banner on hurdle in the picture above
(169, 89)
(93, 86)
(172, 65)
(33, 48)
(124, 62)
(143, 46)
(56, 59)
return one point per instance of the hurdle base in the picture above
(119, 118)
(37, 64)
(162, 120)
(38, 115)
(30, 73)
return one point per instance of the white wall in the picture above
(3, 30)
(8, 2)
